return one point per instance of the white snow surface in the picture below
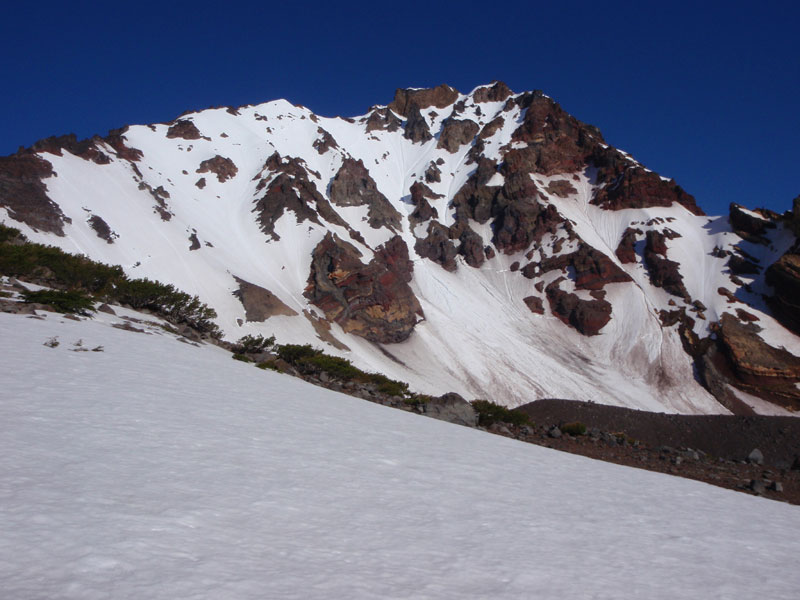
(478, 337)
(156, 469)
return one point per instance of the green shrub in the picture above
(63, 302)
(9, 233)
(490, 413)
(294, 353)
(250, 344)
(574, 429)
(269, 365)
(241, 357)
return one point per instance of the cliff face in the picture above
(490, 243)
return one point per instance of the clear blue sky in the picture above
(707, 94)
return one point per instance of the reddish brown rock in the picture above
(491, 128)
(561, 188)
(373, 301)
(420, 193)
(416, 128)
(117, 140)
(200, 183)
(535, 304)
(439, 97)
(784, 277)
(433, 174)
(593, 269)
(471, 248)
(629, 186)
(756, 367)
(437, 246)
(184, 129)
(626, 251)
(24, 195)
(259, 303)
(222, 167)
(497, 92)
(86, 149)
(353, 186)
(325, 141)
(750, 225)
(383, 119)
(455, 133)
(664, 273)
(586, 316)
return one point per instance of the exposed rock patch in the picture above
(433, 174)
(102, 229)
(593, 269)
(440, 96)
(420, 193)
(184, 129)
(373, 301)
(626, 252)
(455, 133)
(561, 188)
(497, 92)
(259, 303)
(586, 316)
(535, 304)
(416, 128)
(437, 246)
(353, 186)
(325, 141)
(383, 119)
(24, 194)
(784, 277)
(751, 227)
(222, 167)
(664, 273)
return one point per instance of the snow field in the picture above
(162, 470)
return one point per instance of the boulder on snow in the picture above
(451, 407)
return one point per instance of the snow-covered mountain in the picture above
(484, 243)
(158, 469)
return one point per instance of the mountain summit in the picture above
(486, 243)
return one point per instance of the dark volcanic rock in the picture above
(194, 242)
(353, 186)
(185, 129)
(784, 277)
(756, 367)
(587, 316)
(433, 174)
(739, 265)
(324, 142)
(664, 273)
(497, 92)
(117, 140)
(383, 119)
(491, 128)
(437, 246)
(102, 229)
(24, 195)
(416, 129)
(420, 193)
(222, 167)
(86, 149)
(456, 133)
(561, 188)
(373, 301)
(626, 252)
(593, 269)
(749, 224)
(259, 303)
(439, 97)
(471, 248)
(535, 304)
(634, 187)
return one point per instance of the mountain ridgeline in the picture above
(486, 243)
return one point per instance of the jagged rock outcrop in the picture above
(416, 129)
(259, 303)
(24, 194)
(593, 269)
(497, 92)
(373, 301)
(664, 273)
(184, 129)
(420, 194)
(102, 229)
(626, 250)
(784, 277)
(353, 186)
(750, 225)
(222, 167)
(587, 316)
(437, 246)
(324, 142)
(383, 119)
(455, 133)
(754, 366)
(405, 99)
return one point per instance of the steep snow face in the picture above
(249, 193)
(159, 469)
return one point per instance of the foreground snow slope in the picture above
(155, 469)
